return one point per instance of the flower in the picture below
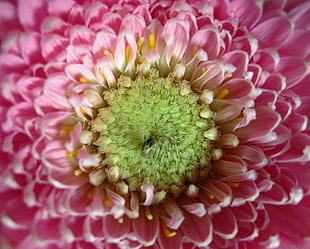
(154, 124)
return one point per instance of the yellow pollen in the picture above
(108, 53)
(82, 110)
(66, 130)
(204, 69)
(140, 44)
(107, 202)
(72, 153)
(151, 41)
(148, 213)
(84, 80)
(90, 194)
(195, 49)
(211, 196)
(120, 220)
(167, 231)
(128, 53)
(223, 94)
(78, 172)
(233, 184)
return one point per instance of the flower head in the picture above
(154, 124)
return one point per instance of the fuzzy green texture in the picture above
(153, 133)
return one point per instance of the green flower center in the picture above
(151, 131)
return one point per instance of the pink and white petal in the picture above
(54, 47)
(246, 212)
(116, 229)
(297, 45)
(293, 75)
(209, 40)
(104, 41)
(246, 231)
(300, 15)
(225, 223)
(244, 191)
(32, 18)
(295, 224)
(259, 126)
(271, 32)
(239, 59)
(146, 229)
(198, 229)
(241, 9)
(77, 71)
(267, 58)
(299, 149)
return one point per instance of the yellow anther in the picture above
(90, 194)
(72, 153)
(84, 80)
(148, 213)
(128, 53)
(195, 49)
(82, 110)
(107, 202)
(167, 231)
(223, 94)
(140, 44)
(233, 184)
(108, 53)
(120, 220)
(66, 130)
(204, 69)
(151, 41)
(211, 196)
(78, 172)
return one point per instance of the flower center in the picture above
(151, 131)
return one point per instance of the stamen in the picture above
(72, 153)
(90, 194)
(107, 202)
(108, 53)
(120, 220)
(233, 184)
(66, 130)
(128, 53)
(78, 172)
(151, 41)
(223, 94)
(148, 213)
(167, 231)
(84, 80)
(140, 44)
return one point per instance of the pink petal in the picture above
(208, 40)
(54, 47)
(225, 224)
(36, 11)
(170, 242)
(296, 224)
(146, 229)
(293, 74)
(247, 12)
(198, 229)
(116, 229)
(272, 32)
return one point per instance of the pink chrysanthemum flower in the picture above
(155, 124)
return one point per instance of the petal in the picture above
(116, 229)
(31, 13)
(198, 229)
(146, 229)
(272, 32)
(247, 12)
(225, 224)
